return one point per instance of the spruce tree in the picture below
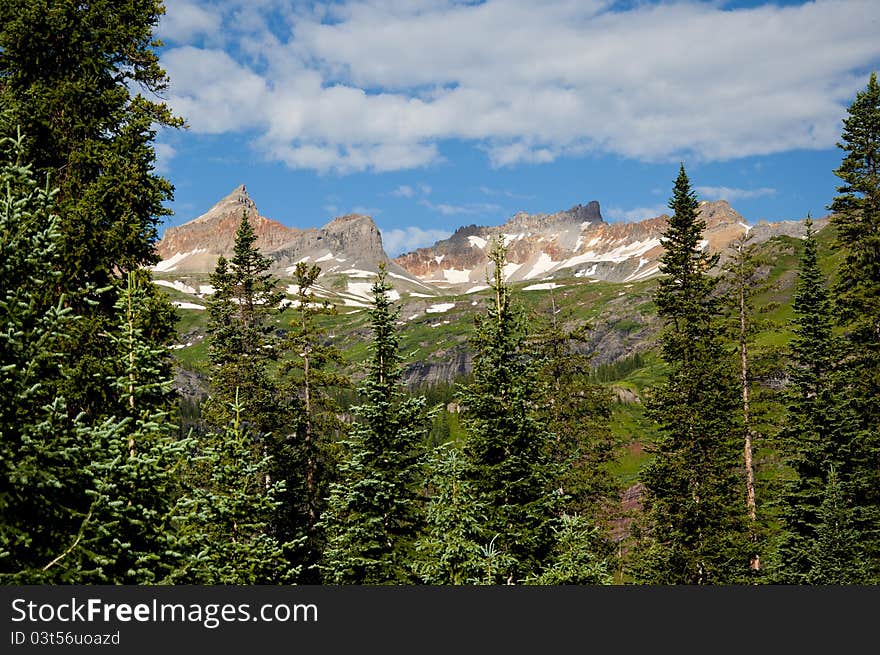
(693, 501)
(71, 75)
(375, 511)
(576, 559)
(451, 550)
(838, 554)
(507, 446)
(819, 425)
(307, 459)
(135, 460)
(856, 215)
(242, 338)
(225, 521)
(576, 411)
(42, 485)
(81, 501)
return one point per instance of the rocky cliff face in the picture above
(195, 246)
(574, 242)
(349, 246)
(348, 242)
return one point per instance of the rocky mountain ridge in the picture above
(575, 242)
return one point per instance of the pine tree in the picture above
(857, 303)
(375, 511)
(241, 331)
(308, 459)
(225, 521)
(819, 425)
(693, 504)
(507, 447)
(70, 72)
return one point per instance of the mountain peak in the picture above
(345, 222)
(232, 203)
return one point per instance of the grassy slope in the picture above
(624, 308)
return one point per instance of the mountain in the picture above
(603, 272)
(195, 246)
(574, 242)
(348, 249)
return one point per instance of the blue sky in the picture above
(431, 114)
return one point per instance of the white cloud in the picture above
(449, 209)
(185, 20)
(399, 241)
(636, 213)
(732, 194)
(380, 84)
(165, 152)
(403, 191)
(489, 191)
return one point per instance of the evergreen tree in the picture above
(375, 511)
(507, 447)
(69, 72)
(134, 463)
(576, 412)
(819, 424)
(308, 459)
(857, 304)
(575, 560)
(450, 550)
(81, 502)
(837, 557)
(693, 504)
(225, 522)
(241, 331)
(742, 273)
(42, 486)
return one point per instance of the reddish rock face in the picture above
(578, 241)
(213, 233)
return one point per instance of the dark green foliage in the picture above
(307, 459)
(42, 498)
(80, 502)
(242, 340)
(68, 71)
(837, 557)
(451, 550)
(376, 509)
(508, 445)
(576, 412)
(225, 521)
(819, 425)
(694, 501)
(127, 536)
(857, 304)
(575, 560)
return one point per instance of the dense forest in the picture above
(294, 471)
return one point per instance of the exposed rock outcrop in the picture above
(577, 241)
(195, 246)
